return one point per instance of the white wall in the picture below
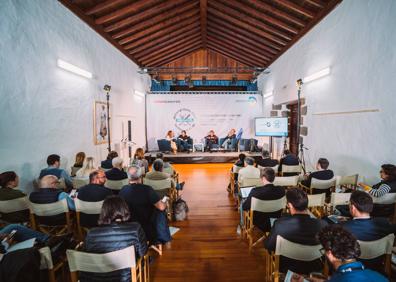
(45, 109)
(358, 41)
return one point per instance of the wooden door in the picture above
(293, 116)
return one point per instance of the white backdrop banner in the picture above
(199, 113)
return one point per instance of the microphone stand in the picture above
(300, 146)
(108, 119)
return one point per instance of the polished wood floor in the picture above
(207, 247)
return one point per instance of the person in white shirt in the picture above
(249, 171)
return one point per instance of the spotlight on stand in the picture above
(107, 88)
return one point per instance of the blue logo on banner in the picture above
(184, 119)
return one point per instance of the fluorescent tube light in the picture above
(268, 94)
(317, 75)
(139, 94)
(72, 68)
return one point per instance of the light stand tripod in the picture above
(300, 146)
(107, 88)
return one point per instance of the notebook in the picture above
(245, 191)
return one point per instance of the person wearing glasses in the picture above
(342, 251)
(299, 228)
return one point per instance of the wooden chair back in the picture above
(316, 204)
(79, 182)
(46, 262)
(250, 182)
(14, 205)
(158, 184)
(349, 181)
(87, 208)
(291, 169)
(236, 169)
(286, 181)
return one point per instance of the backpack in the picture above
(180, 209)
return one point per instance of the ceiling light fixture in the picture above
(317, 75)
(74, 69)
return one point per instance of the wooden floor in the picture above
(207, 247)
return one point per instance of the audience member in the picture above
(241, 160)
(298, 228)
(385, 186)
(9, 182)
(107, 164)
(170, 136)
(166, 164)
(288, 159)
(266, 161)
(249, 171)
(139, 160)
(322, 173)
(86, 170)
(143, 202)
(95, 191)
(266, 192)
(53, 162)
(80, 157)
(342, 250)
(114, 233)
(211, 140)
(366, 228)
(117, 172)
(184, 142)
(49, 194)
(229, 142)
(157, 174)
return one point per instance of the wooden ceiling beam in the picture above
(240, 37)
(204, 13)
(88, 20)
(237, 29)
(255, 16)
(104, 5)
(167, 24)
(141, 52)
(170, 45)
(173, 36)
(319, 4)
(155, 20)
(296, 8)
(170, 53)
(175, 57)
(133, 8)
(227, 54)
(163, 32)
(249, 21)
(154, 11)
(242, 52)
(235, 42)
(264, 7)
(236, 21)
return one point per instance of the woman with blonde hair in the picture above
(170, 136)
(88, 167)
(140, 161)
(80, 157)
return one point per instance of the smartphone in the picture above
(164, 199)
(73, 193)
(9, 237)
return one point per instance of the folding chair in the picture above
(250, 182)
(377, 248)
(235, 169)
(387, 199)
(79, 182)
(116, 184)
(290, 169)
(15, 205)
(348, 182)
(323, 185)
(52, 209)
(286, 181)
(47, 263)
(337, 199)
(275, 168)
(316, 204)
(108, 262)
(290, 250)
(73, 170)
(260, 206)
(87, 208)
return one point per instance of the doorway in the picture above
(292, 123)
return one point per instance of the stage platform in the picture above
(201, 157)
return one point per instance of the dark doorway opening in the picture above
(293, 117)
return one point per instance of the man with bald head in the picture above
(143, 202)
(48, 193)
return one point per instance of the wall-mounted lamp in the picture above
(316, 75)
(72, 68)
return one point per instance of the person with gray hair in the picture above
(249, 171)
(143, 202)
(157, 173)
(117, 172)
(266, 161)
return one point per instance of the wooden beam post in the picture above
(204, 13)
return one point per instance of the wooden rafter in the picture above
(296, 8)
(204, 14)
(176, 56)
(167, 24)
(103, 6)
(154, 20)
(131, 20)
(230, 55)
